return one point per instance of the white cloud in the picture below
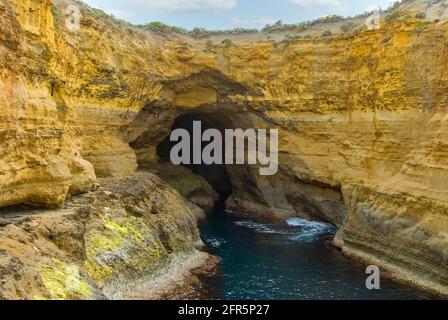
(318, 3)
(185, 5)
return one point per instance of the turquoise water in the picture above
(289, 261)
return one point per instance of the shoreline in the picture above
(394, 273)
(178, 280)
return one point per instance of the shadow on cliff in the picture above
(216, 175)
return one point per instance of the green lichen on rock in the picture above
(63, 281)
(97, 248)
(124, 243)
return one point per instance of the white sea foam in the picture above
(299, 229)
(215, 242)
(259, 227)
(310, 230)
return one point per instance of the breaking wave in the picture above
(310, 230)
(297, 229)
(259, 227)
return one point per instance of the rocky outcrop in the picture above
(362, 118)
(192, 187)
(104, 244)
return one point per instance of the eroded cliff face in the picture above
(363, 120)
(105, 244)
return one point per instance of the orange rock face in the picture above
(362, 115)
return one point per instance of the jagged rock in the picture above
(95, 248)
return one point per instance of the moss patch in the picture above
(123, 245)
(63, 282)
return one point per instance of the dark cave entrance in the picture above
(216, 175)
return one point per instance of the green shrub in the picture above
(56, 16)
(396, 4)
(178, 30)
(291, 38)
(301, 26)
(329, 19)
(392, 16)
(100, 13)
(278, 26)
(347, 26)
(209, 46)
(157, 26)
(161, 27)
(326, 33)
(199, 33)
(223, 32)
(420, 28)
(227, 43)
(237, 31)
(420, 15)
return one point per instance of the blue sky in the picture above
(227, 14)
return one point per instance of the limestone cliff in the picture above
(363, 119)
(104, 244)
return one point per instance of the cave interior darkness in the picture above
(216, 175)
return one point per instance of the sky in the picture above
(229, 14)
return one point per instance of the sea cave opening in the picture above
(216, 175)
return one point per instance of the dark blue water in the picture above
(287, 261)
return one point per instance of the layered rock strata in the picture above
(106, 244)
(362, 115)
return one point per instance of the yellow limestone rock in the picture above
(362, 115)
